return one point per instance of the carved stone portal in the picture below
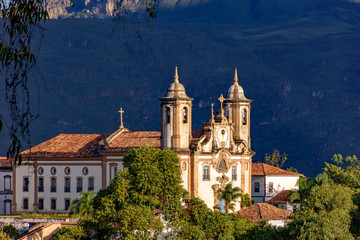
(222, 183)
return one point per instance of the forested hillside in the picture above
(298, 60)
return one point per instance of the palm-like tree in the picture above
(82, 206)
(229, 194)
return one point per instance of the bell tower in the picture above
(239, 106)
(176, 117)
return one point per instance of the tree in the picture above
(276, 159)
(83, 206)
(4, 236)
(230, 194)
(208, 224)
(130, 206)
(20, 20)
(69, 233)
(10, 230)
(325, 214)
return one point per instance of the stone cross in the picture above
(121, 117)
(221, 100)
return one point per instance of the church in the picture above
(54, 172)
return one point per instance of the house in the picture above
(54, 172)
(282, 200)
(262, 211)
(6, 186)
(268, 181)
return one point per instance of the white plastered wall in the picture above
(206, 192)
(280, 183)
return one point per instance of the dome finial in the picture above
(176, 76)
(235, 77)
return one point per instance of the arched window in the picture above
(53, 204)
(244, 117)
(7, 181)
(167, 115)
(91, 184)
(233, 173)
(222, 165)
(41, 184)
(53, 185)
(26, 184)
(206, 173)
(79, 185)
(26, 204)
(256, 187)
(67, 185)
(67, 204)
(41, 204)
(185, 115)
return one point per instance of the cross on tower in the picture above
(121, 117)
(221, 100)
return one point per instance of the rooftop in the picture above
(263, 169)
(67, 145)
(282, 197)
(263, 211)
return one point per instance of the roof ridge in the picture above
(258, 205)
(264, 168)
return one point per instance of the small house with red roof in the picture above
(262, 211)
(282, 200)
(269, 181)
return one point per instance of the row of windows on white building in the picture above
(41, 203)
(53, 184)
(206, 171)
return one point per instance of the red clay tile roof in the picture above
(263, 169)
(5, 162)
(67, 145)
(263, 211)
(128, 140)
(197, 133)
(282, 197)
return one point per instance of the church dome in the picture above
(236, 91)
(176, 89)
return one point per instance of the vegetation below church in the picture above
(146, 201)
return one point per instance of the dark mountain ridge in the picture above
(300, 67)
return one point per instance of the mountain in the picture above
(298, 60)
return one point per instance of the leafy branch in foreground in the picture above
(20, 19)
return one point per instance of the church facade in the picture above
(54, 172)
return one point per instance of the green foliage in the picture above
(276, 159)
(325, 214)
(4, 236)
(69, 233)
(245, 201)
(155, 178)
(211, 224)
(10, 230)
(83, 206)
(349, 161)
(230, 194)
(20, 19)
(130, 205)
(262, 231)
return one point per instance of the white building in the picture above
(6, 186)
(54, 172)
(268, 181)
